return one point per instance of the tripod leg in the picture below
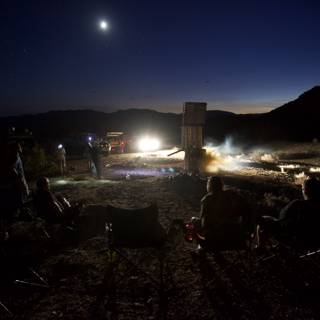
(163, 298)
(106, 290)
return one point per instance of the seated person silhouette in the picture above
(299, 220)
(53, 209)
(225, 218)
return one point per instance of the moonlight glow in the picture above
(103, 25)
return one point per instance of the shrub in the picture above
(37, 163)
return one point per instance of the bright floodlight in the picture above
(60, 146)
(148, 144)
(103, 25)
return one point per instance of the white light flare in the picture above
(147, 144)
(61, 182)
(103, 24)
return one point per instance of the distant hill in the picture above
(308, 103)
(57, 124)
(298, 119)
(295, 120)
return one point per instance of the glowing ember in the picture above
(300, 178)
(288, 166)
(300, 175)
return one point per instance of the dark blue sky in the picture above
(242, 56)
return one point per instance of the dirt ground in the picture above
(270, 283)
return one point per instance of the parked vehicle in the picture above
(118, 142)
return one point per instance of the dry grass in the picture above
(230, 285)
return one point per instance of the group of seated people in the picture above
(70, 222)
(226, 220)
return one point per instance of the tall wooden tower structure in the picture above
(192, 134)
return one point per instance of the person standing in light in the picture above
(61, 156)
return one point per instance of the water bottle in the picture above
(189, 232)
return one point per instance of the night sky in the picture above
(242, 56)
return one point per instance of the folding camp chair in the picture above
(132, 229)
(11, 266)
(296, 249)
(300, 242)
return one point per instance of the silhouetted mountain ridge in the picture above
(295, 120)
(309, 101)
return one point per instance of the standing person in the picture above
(61, 156)
(13, 186)
(95, 156)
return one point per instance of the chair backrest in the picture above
(136, 227)
(92, 221)
(306, 230)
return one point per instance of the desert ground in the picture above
(267, 283)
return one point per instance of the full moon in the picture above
(103, 25)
